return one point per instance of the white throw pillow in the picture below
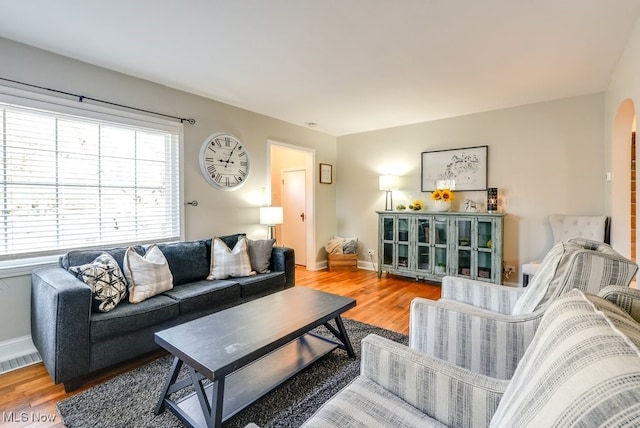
(226, 262)
(148, 275)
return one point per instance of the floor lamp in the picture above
(271, 216)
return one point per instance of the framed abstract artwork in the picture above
(458, 169)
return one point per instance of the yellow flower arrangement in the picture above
(416, 205)
(442, 195)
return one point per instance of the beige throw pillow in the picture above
(148, 275)
(227, 263)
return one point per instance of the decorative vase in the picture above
(442, 206)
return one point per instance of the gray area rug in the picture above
(128, 399)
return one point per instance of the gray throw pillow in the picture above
(260, 254)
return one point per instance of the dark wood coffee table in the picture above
(248, 350)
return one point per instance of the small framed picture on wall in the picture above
(326, 172)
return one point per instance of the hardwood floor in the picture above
(28, 397)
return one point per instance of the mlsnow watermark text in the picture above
(28, 417)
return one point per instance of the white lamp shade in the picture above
(271, 215)
(388, 182)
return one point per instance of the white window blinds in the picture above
(70, 181)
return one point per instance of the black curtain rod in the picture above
(81, 98)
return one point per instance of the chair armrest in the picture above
(493, 297)
(60, 312)
(283, 260)
(482, 341)
(626, 298)
(452, 395)
(598, 265)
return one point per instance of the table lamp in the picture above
(271, 216)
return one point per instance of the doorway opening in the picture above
(623, 218)
(295, 165)
(633, 196)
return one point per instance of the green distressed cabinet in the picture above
(425, 245)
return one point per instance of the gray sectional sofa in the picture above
(75, 341)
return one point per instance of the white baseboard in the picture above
(365, 265)
(15, 348)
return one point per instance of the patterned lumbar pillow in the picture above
(226, 262)
(148, 275)
(106, 280)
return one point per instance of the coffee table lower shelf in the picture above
(247, 384)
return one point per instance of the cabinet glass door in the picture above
(423, 241)
(387, 241)
(464, 245)
(403, 242)
(440, 239)
(485, 243)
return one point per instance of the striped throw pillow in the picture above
(582, 369)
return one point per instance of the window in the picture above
(74, 181)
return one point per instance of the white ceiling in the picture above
(348, 65)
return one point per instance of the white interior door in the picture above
(294, 208)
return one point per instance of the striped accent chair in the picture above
(582, 369)
(626, 298)
(487, 328)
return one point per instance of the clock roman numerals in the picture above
(226, 141)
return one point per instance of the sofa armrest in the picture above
(60, 317)
(430, 384)
(482, 341)
(493, 297)
(283, 260)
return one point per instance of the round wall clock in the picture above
(224, 161)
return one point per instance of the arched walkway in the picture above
(623, 128)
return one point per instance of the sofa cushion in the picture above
(260, 254)
(582, 368)
(205, 294)
(261, 284)
(129, 317)
(363, 403)
(82, 257)
(188, 261)
(148, 275)
(106, 280)
(227, 262)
